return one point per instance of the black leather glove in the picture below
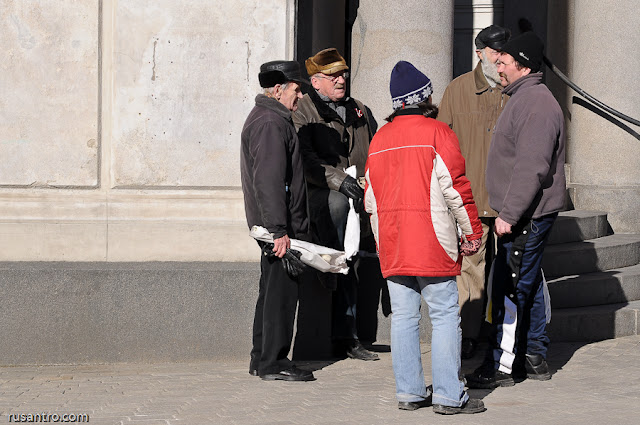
(358, 205)
(351, 188)
(290, 261)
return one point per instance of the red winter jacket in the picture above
(417, 195)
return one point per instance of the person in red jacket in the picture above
(418, 197)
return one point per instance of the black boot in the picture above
(487, 377)
(358, 352)
(537, 367)
(468, 349)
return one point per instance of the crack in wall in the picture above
(248, 57)
(153, 76)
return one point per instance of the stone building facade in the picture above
(121, 119)
(122, 228)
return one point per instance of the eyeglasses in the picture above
(333, 78)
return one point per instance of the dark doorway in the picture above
(321, 24)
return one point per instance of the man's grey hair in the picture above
(270, 91)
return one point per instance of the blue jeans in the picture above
(441, 295)
(517, 272)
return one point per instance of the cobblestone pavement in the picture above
(594, 383)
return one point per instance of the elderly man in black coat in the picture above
(275, 198)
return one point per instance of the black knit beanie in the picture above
(527, 49)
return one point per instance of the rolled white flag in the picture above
(319, 257)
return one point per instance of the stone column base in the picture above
(620, 202)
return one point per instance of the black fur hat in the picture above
(279, 72)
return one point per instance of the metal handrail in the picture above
(586, 95)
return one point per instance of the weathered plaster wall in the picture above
(185, 73)
(49, 85)
(120, 126)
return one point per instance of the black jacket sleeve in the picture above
(269, 177)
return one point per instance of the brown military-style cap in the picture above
(327, 61)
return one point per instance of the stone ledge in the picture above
(71, 225)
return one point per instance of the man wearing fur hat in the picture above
(274, 198)
(470, 106)
(526, 186)
(418, 196)
(334, 133)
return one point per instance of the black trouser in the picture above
(274, 318)
(343, 309)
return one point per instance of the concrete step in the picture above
(594, 323)
(579, 225)
(608, 287)
(593, 255)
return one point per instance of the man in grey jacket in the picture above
(526, 185)
(275, 198)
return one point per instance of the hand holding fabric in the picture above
(290, 260)
(281, 245)
(468, 248)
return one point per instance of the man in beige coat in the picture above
(471, 105)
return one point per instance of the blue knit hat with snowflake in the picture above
(408, 86)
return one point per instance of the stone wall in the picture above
(121, 125)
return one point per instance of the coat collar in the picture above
(526, 81)
(482, 85)
(354, 114)
(409, 111)
(274, 105)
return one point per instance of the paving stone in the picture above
(592, 383)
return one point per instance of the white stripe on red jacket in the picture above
(418, 196)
